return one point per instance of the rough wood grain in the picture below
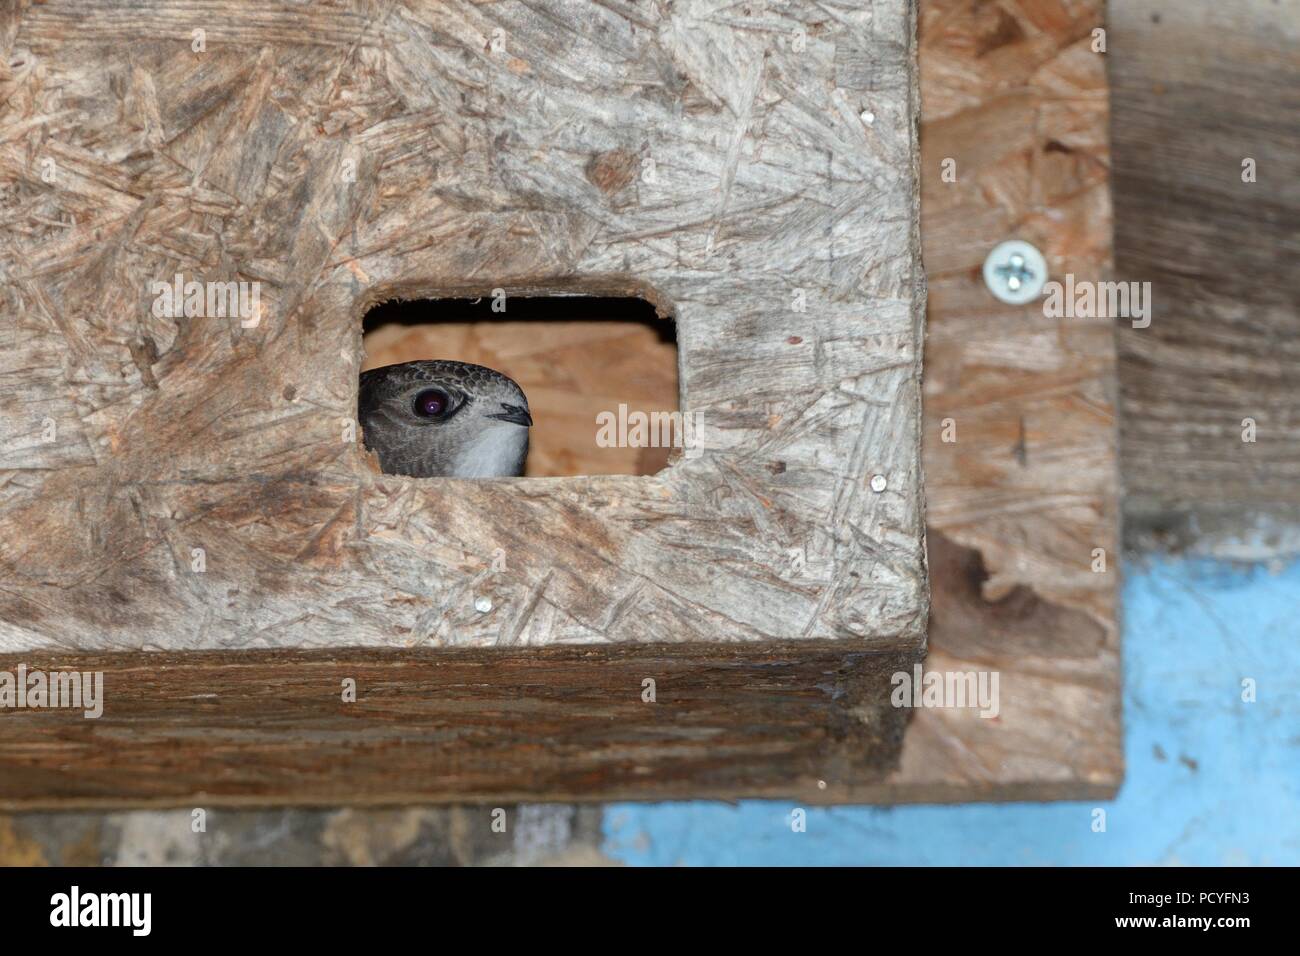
(723, 163)
(1198, 88)
(1017, 503)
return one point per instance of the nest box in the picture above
(211, 198)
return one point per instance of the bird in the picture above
(442, 419)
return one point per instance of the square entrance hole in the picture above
(575, 357)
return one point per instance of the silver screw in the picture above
(1015, 272)
(482, 604)
(878, 483)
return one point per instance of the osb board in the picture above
(570, 370)
(351, 154)
(1015, 506)
(1199, 87)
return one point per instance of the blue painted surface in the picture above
(1211, 779)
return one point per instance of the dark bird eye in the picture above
(432, 403)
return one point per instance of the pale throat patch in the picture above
(494, 452)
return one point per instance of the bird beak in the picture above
(515, 414)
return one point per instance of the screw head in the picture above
(1015, 272)
(868, 117)
(482, 604)
(879, 483)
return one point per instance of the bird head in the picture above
(433, 419)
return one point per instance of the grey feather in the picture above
(482, 432)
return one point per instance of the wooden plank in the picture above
(259, 728)
(1017, 503)
(1198, 89)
